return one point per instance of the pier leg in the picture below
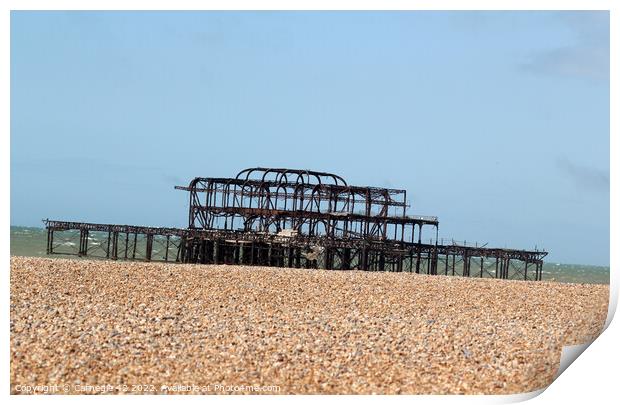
(291, 256)
(346, 259)
(149, 247)
(465, 264)
(216, 252)
(107, 255)
(237, 253)
(135, 245)
(429, 270)
(364, 259)
(126, 243)
(417, 263)
(181, 250)
(83, 249)
(453, 263)
(114, 254)
(200, 254)
(327, 255)
(49, 238)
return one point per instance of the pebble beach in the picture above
(159, 328)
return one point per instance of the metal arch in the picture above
(316, 174)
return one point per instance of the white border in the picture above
(596, 370)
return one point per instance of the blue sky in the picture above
(497, 122)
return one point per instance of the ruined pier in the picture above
(296, 218)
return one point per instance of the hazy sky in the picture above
(497, 122)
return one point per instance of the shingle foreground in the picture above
(143, 326)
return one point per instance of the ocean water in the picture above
(27, 241)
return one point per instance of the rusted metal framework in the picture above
(296, 218)
(301, 202)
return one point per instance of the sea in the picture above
(26, 241)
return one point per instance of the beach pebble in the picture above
(305, 331)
